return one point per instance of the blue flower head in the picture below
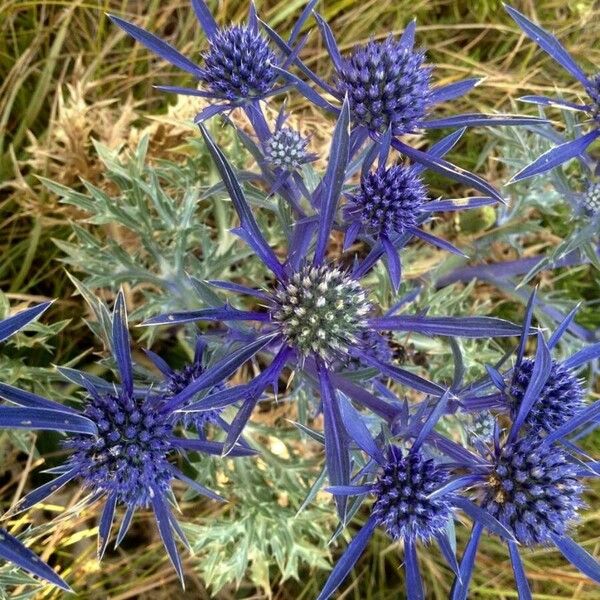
(391, 204)
(11, 549)
(176, 380)
(238, 67)
(415, 497)
(287, 149)
(591, 84)
(122, 445)
(238, 64)
(532, 483)
(402, 505)
(533, 489)
(388, 201)
(541, 392)
(388, 85)
(589, 200)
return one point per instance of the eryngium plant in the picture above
(305, 315)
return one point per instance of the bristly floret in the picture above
(533, 490)
(401, 491)
(321, 310)
(388, 201)
(129, 455)
(388, 85)
(238, 64)
(287, 149)
(560, 399)
(591, 198)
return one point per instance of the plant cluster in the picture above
(315, 302)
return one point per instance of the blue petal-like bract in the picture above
(157, 46)
(578, 557)
(348, 559)
(519, 572)
(14, 551)
(11, 325)
(44, 418)
(414, 586)
(557, 156)
(121, 343)
(548, 43)
(331, 185)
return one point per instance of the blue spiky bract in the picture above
(533, 490)
(388, 201)
(561, 397)
(401, 506)
(388, 85)
(238, 64)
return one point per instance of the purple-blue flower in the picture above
(176, 380)
(591, 84)
(556, 394)
(237, 69)
(11, 549)
(531, 479)
(391, 203)
(123, 453)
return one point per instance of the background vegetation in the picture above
(67, 78)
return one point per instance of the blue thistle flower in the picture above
(540, 392)
(391, 204)
(402, 505)
(573, 148)
(176, 381)
(531, 484)
(12, 549)
(238, 67)
(123, 450)
(590, 202)
(238, 64)
(388, 86)
(388, 201)
(561, 397)
(287, 149)
(533, 489)
(315, 313)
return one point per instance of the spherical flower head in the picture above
(287, 149)
(321, 310)
(560, 399)
(238, 64)
(388, 201)
(533, 490)
(591, 200)
(129, 454)
(388, 85)
(177, 382)
(401, 490)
